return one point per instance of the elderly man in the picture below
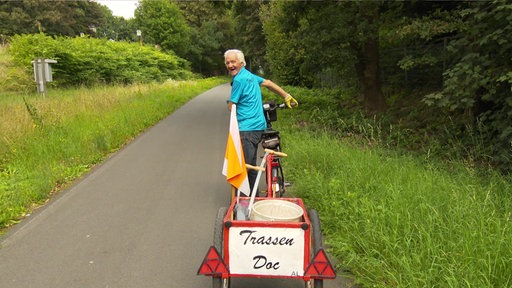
(246, 94)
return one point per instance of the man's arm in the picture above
(274, 88)
(289, 100)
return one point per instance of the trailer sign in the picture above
(272, 251)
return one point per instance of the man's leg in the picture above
(250, 141)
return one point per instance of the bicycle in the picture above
(271, 163)
(261, 237)
(271, 143)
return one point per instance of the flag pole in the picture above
(255, 188)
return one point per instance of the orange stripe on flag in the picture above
(234, 161)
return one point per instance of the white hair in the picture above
(239, 55)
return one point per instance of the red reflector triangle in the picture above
(213, 265)
(320, 267)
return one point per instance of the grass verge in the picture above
(394, 219)
(49, 142)
(391, 219)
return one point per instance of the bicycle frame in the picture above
(271, 162)
(273, 173)
(271, 141)
(271, 165)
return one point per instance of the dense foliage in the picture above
(87, 61)
(479, 82)
(210, 32)
(162, 24)
(422, 47)
(58, 17)
(248, 34)
(410, 64)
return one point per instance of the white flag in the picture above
(234, 161)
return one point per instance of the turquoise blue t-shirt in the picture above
(246, 94)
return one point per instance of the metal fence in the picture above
(430, 62)
(427, 65)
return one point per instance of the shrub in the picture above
(89, 61)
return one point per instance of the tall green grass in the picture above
(72, 130)
(12, 78)
(395, 219)
(391, 219)
(397, 223)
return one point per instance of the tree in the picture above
(366, 48)
(117, 28)
(209, 29)
(162, 23)
(248, 32)
(413, 39)
(479, 82)
(66, 18)
(285, 52)
(307, 39)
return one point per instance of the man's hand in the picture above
(290, 101)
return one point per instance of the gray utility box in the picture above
(42, 73)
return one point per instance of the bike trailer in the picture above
(266, 245)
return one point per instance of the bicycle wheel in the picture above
(218, 243)
(280, 180)
(317, 241)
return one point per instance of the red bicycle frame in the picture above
(272, 166)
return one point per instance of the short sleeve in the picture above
(259, 79)
(236, 91)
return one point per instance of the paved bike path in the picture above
(144, 218)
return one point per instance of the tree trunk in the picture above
(373, 98)
(368, 69)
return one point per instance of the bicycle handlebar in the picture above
(270, 106)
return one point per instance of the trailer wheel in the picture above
(317, 243)
(218, 243)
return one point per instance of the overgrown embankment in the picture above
(48, 142)
(391, 218)
(90, 61)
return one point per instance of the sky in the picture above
(122, 8)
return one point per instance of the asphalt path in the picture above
(143, 218)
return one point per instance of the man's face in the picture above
(233, 64)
